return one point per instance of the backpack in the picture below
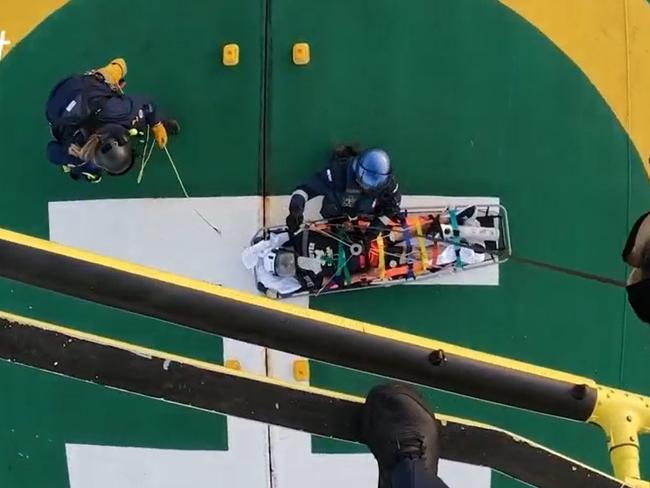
(73, 106)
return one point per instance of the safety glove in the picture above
(114, 73)
(160, 134)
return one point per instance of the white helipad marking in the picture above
(3, 42)
(243, 465)
(167, 234)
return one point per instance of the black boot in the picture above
(398, 427)
(636, 252)
(172, 127)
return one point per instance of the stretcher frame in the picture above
(499, 256)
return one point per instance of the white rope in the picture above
(180, 182)
(178, 176)
(145, 156)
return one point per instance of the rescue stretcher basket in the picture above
(486, 235)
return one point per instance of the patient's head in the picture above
(281, 262)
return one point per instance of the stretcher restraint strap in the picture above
(382, 262)
(409, 248)
(342, 262)
(455, 238)
(423, 247)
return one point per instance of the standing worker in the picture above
(353, 183)
(93, 123)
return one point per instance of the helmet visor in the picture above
(285, 264)
(369, 180)
(114, 158)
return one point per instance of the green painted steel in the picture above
(467, 97)
(174, 54)
(471, 100)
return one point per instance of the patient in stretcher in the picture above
(331, 256)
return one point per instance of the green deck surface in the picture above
(467, 98)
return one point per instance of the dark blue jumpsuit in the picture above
(342, 195)
(128, 111)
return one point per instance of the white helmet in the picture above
(280, 262)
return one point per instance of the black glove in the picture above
(172, 126)
(294, 221)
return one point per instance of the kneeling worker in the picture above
(352, 184)
(93, 122)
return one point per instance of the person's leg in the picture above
(410, 473)
(636, 253)
(638, 291)
(402, 434)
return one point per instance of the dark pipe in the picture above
(299, 335)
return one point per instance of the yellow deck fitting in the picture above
(300, 53)
(231, 55)
(233, 364)
(623, 416)
(301, 369)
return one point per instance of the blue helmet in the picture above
(372, 169)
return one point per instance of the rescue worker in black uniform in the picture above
(353, 184)
(636, 253)
(403, 435)
(93, 123)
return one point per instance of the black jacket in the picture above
(342, 195)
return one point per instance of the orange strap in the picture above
(382, 260)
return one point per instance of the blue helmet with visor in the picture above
(372, 169)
